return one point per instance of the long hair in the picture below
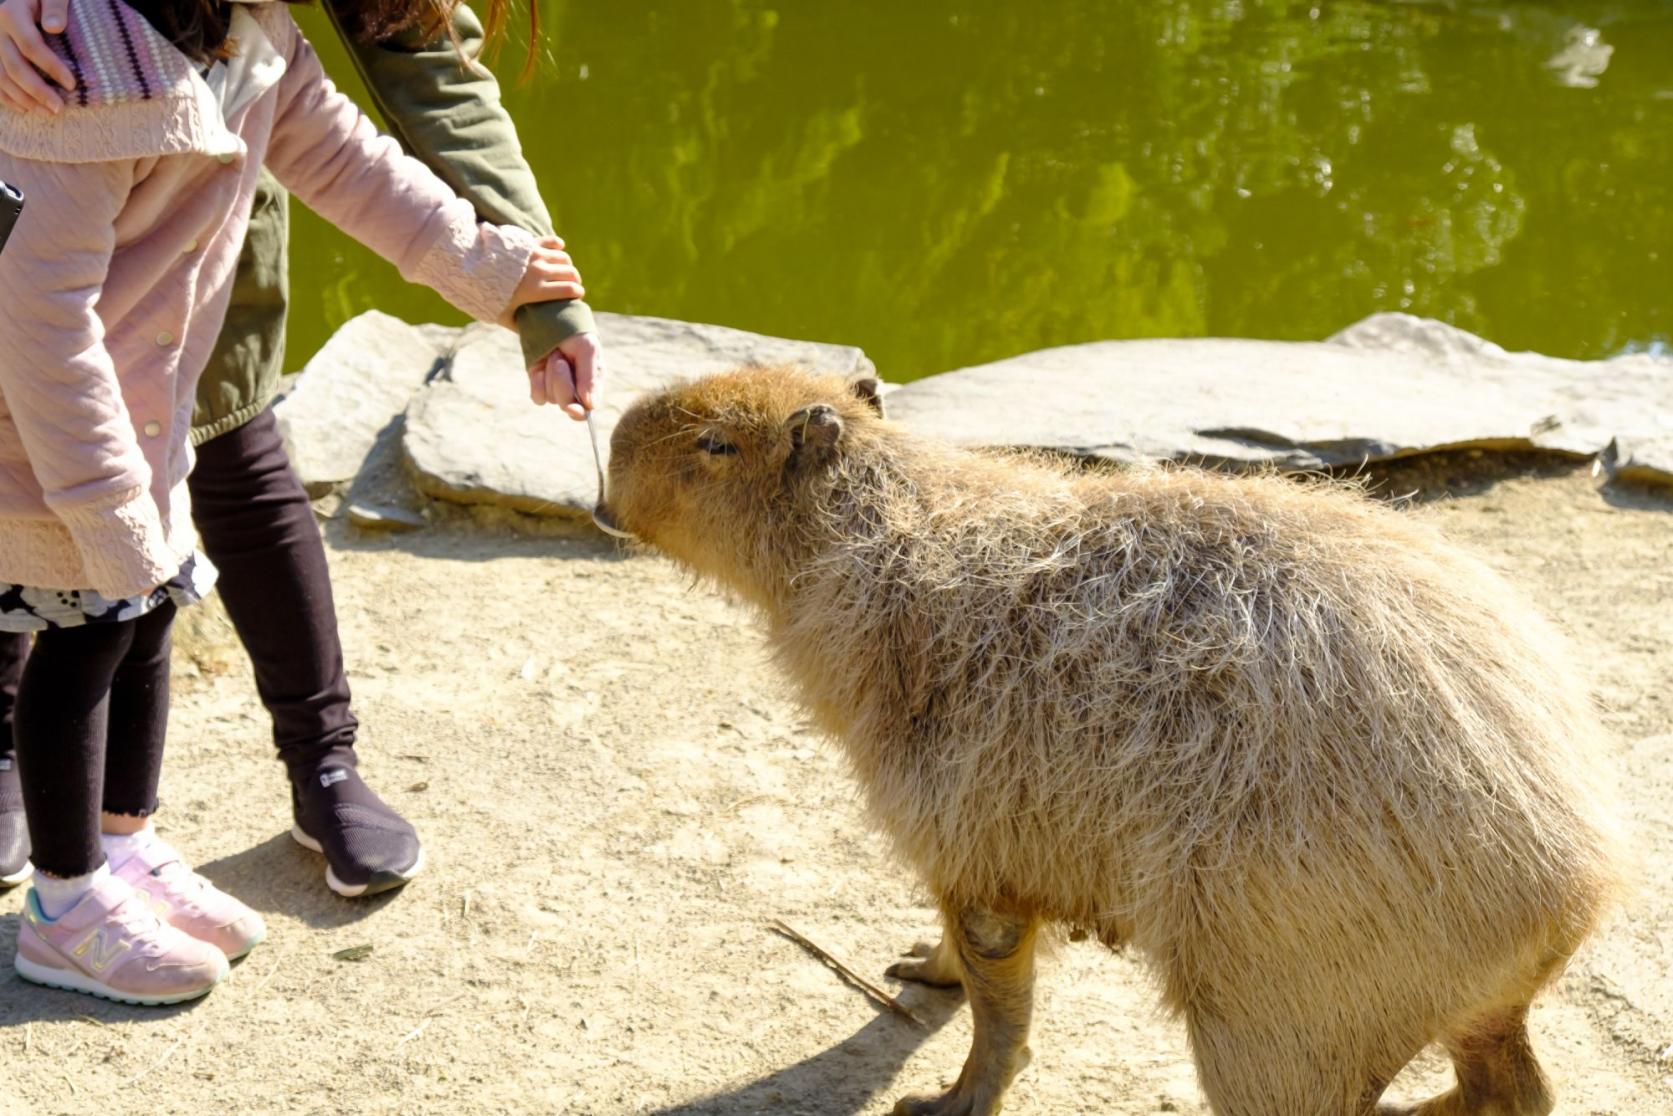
(377, 21)
(198, 28)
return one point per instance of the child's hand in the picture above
(570, 370)
(551, 276)
(22, 49)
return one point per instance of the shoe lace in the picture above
(138, 922)
(183, 884)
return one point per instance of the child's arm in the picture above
(58, 380)
(327, 153)
(450, 116)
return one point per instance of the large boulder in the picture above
(386, 405)
(1390, 386)
(473, 437)
(350, 394)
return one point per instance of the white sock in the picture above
(56, 896)
(120, 846)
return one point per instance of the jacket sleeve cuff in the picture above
(123, 546)
(543, 326)
(476, 267)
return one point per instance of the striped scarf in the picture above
(118, 59)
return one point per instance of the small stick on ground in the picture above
(166, 1055)
(412, 1034)
(849, 975)
(263, 983)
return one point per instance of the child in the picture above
(112, 290)
(254, 519)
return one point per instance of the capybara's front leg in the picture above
(935, 965)
(996, 959)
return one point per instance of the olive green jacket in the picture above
(447, 115)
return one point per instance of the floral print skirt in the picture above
(26, 609)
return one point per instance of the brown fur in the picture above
(1329, 773)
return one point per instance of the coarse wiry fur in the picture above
(1329, 773)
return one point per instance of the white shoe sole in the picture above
(245, 952)
(355, 891)
(19, 876)
(71, 981)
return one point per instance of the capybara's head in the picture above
(702, 470)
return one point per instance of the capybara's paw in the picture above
(955, 1103)
(978, 1094)
(923, 972)
(933, 966)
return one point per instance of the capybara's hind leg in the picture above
(1253, 1068)
(996, 959)
(1498, 1074)
(935, 965)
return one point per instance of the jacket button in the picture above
(153, 428)
(226, 158)
(192, 247)
(165, 339)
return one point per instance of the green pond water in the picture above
(945, 182)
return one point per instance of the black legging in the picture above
(14, 648)
(92, 712)
(257, 525)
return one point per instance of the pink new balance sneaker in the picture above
(190, 903)
(110, 944)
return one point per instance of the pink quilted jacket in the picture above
(116, 279)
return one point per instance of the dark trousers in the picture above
(257, 526)
(90, 715)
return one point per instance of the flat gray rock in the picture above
(1390, 386)
(382, 496)
(472, 436)
(392, 518)
(349, 394)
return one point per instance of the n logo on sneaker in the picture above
(104, 947)
(335, 775)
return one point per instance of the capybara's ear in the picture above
(813, 431)
(867, 389)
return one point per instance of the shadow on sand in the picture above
(280, 876)
(845, 1079)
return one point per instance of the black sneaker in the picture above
(14, 834)
(368, 847)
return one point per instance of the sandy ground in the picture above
(617, 796)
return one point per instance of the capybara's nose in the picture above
(607, 522)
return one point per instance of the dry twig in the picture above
(412, 1034)
(166, 1055)
(848, 974)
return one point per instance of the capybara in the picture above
(1329, 774)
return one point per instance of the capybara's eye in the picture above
(708, 443)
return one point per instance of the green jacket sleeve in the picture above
(448, 114)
